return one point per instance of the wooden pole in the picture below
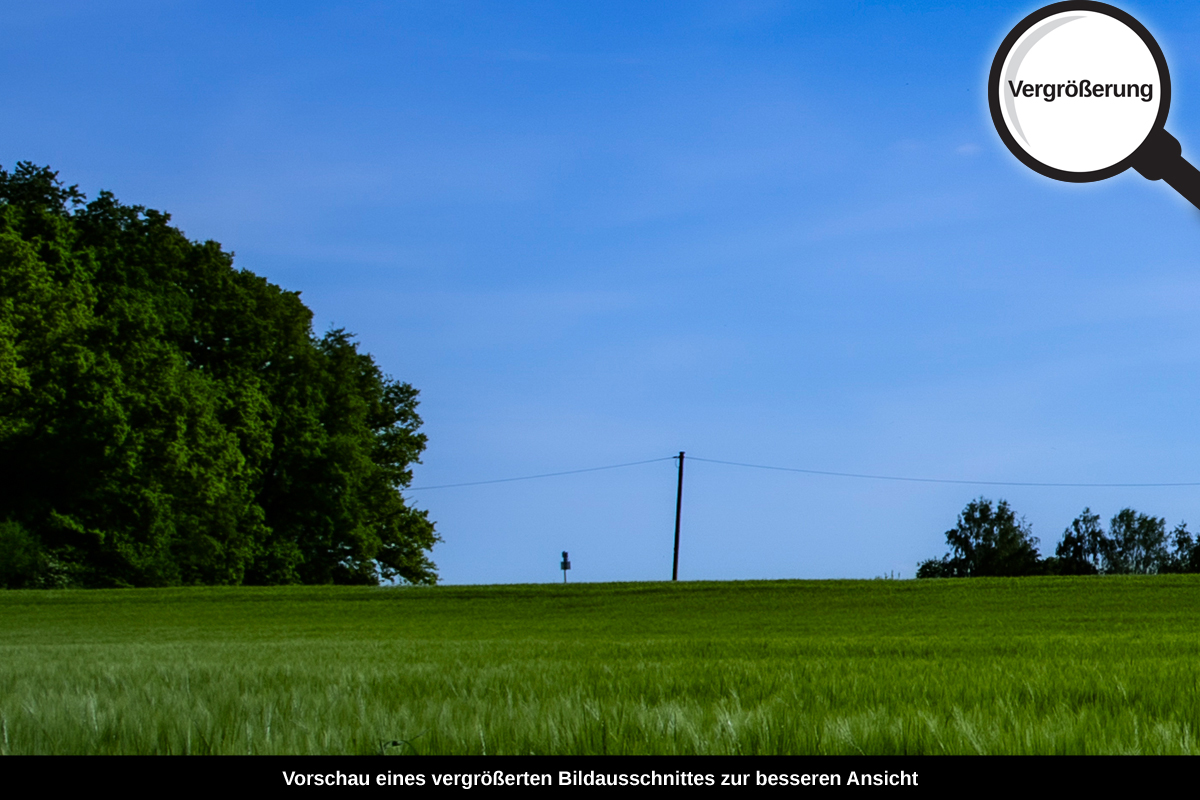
(678, 511)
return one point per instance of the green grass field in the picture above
(1028, 665)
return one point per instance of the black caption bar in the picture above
(563, 776)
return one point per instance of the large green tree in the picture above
(166, 418)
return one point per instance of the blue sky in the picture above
(767, 232)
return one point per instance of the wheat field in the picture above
(1014, 666)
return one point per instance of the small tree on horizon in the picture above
(1081, 551)
(1137, 544)
(987, 541)
(1185, 556)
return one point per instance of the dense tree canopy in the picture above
(166, 418)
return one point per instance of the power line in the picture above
(544, 475)
(939, 480)
(858, 475)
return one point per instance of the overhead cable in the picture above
(937, 480)
(858, 475)
(544, 475)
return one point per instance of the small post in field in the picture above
(565, 565)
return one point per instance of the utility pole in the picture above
(678, 510)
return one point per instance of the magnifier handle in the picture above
(1161, 158)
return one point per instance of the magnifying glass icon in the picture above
(1079, 91)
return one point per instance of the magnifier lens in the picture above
(1078, 91)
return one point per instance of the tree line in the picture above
(167, 418)
(990, 540)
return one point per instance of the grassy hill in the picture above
(1029, 665)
